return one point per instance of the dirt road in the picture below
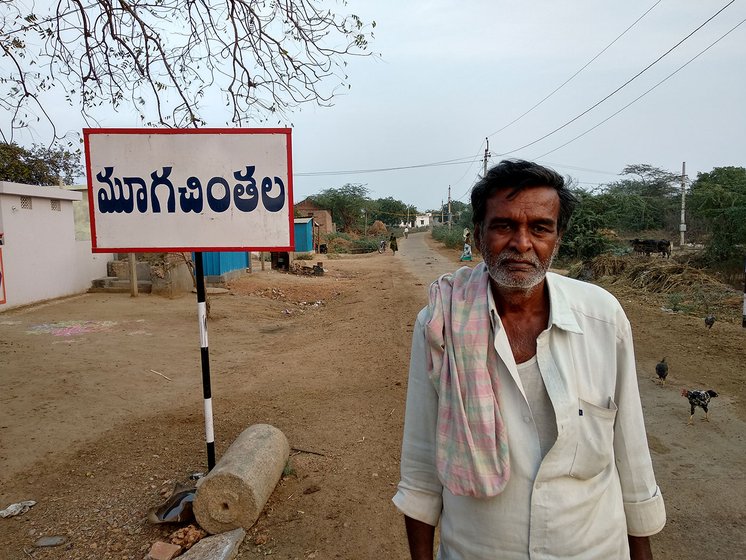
(91, 433)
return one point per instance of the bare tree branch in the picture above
(167, 59)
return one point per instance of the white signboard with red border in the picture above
(190, 189)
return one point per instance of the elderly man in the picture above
(524, 435)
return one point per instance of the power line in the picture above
(567, 81)
(473, 159)
(469, 169)
(625, 84)
(455, 161)
(648, 91)
(574, 168)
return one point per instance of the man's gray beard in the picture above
(504, 279)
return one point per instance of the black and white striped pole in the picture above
(205, 355)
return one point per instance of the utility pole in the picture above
(682, 225)
(450, 216)
(486, 156)
(442, 221)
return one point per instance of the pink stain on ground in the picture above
(71, 328)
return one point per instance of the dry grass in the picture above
(674, 285)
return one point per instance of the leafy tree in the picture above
(584, 238)
(389, 210)
(719, 198)
(650, 181)
(345, 203)
(39, 165)
(647, 198)
(461, 214)
(175, 57)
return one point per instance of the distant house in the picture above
(423, 220)
(308, 209)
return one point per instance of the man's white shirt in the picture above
(594, 485)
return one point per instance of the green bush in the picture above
(584, 244)
(453, 239)
(366, 244)
(338, 242)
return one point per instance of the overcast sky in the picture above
(451, 73)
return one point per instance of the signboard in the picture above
(190, 189)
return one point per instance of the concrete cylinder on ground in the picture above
(234, 493)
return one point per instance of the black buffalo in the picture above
(650, 246)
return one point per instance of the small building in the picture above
(307, 238)
(323, 218)
(305, 235)
(220, 266)
(40, 257)
(423, 220)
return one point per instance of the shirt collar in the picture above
(560, 313)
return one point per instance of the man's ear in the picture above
(557, 246)
(477, 236)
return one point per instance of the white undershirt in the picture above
(539, 404)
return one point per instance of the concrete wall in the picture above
(41, 257)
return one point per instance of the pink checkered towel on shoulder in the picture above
(471, 450)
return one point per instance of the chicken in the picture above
(710, 320)
(699, 399)
(661, 368)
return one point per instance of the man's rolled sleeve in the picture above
(646, 518)
(422, 506)
(419, 494)
(643, 502)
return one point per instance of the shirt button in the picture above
(527, 419)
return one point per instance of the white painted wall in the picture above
(41, 257)
(423, 220)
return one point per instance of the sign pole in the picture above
(205, 355)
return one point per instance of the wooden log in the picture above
(234, 493)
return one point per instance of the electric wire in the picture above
(625, 84)
(574, 168)
(455, 161)
(568, 80)
(646, 92)
(468, 170)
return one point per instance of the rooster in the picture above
(661, 368)
(699, 399)
(709, 320)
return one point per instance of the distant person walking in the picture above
(393, 244)
(406, 233)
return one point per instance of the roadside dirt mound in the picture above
(674, 285)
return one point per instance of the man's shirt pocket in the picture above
(595, 446)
